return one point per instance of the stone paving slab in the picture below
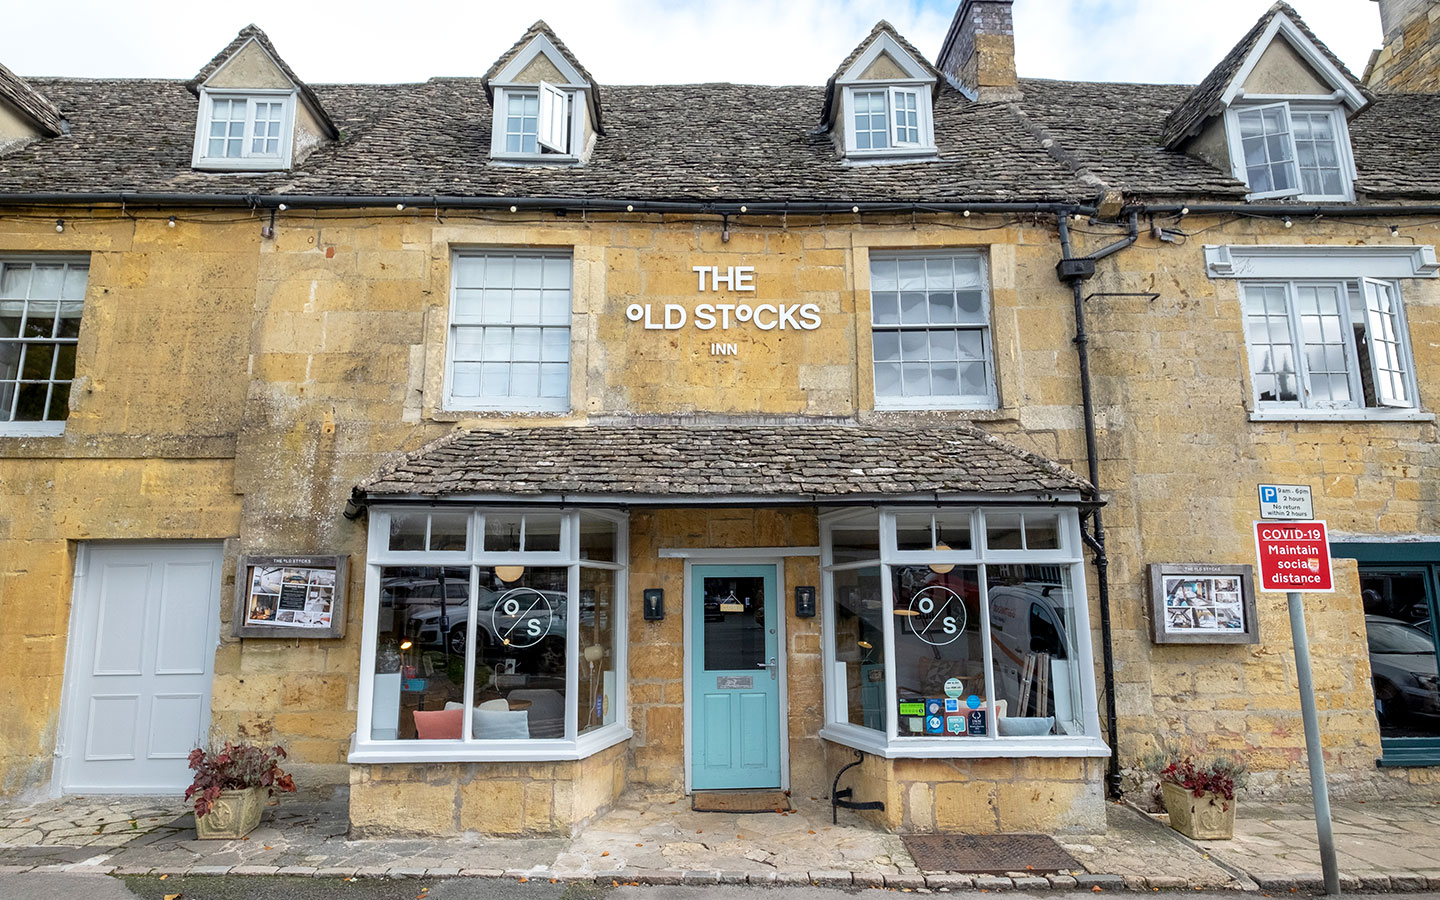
(654, 838)
(1390, 845)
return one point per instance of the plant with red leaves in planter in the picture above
(230, 787)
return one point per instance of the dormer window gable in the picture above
(254, 113)
(545, 105)
(879, 103)
(1275, 114)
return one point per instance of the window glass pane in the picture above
(419, 677)
(1037, 677)
(520, 655)
(407, 530)
(913, 531)
(448, 530)
(952, 530)
(542, 532)
(1002, 531)
(855, 543)
(887, 380)
(1042, 531)
(859, 664)
(597, 538)
(885, 307)
(599, 656)
(734, 624)
(502, 532)
(937, 639)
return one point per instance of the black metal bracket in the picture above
(840, 797)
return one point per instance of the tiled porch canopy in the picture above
(663, 464)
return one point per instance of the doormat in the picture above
(740, 801)
(988, 854)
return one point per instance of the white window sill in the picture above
(874, 743)
(32, 429)
(898, 155)
(554, 159)
(368, 752)
(240, 165)
(882, 403)
(519, 406)
(1340, 415)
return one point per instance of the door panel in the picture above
(734, 622)
(147, 623)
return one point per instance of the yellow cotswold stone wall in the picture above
(232, 387)
(1181, 459)
(977, 796)
(506, 799)
(1410, 59)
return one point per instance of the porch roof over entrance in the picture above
(663, 464)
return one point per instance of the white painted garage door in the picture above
(140, 667)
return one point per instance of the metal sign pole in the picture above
(1313, 750)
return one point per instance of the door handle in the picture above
(772, 665)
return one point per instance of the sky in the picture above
(644, 41)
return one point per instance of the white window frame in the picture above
(506, 404)
(365, 749)
(46, 427)
(576, 119)
(246, 161)
(1304, 407)
(924, 114)
(889, 744)
(991, 398)
(1291, 105)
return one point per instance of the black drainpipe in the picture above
(1075, 270)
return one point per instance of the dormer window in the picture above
(1273, 113)
(1289, 149)
(244, 132)
(254, 113)
(545, 105)
(878, 103)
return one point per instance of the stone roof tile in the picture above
(793, 461)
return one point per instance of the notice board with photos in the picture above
(1202, 604)
(290, 596)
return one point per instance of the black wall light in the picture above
(805, 602)
(654, 604)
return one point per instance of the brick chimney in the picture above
(1410, 58)
(979, 50)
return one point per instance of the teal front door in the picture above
(734, 677)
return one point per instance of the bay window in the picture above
(492, 635)
(956, 632)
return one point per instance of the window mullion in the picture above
(472, 615)
(1347, 338)
(987, 652)
(1297, 345)
(892, 690)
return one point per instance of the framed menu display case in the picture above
(290, 596)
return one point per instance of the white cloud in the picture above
(644, 41)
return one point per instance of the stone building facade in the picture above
(603, 529)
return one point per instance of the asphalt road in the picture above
(31, 886)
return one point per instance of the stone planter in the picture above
(234, 815)
(1208, 817)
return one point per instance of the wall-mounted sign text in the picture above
(707, 316)
(290, 596)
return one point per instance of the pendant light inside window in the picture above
(941, 547)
